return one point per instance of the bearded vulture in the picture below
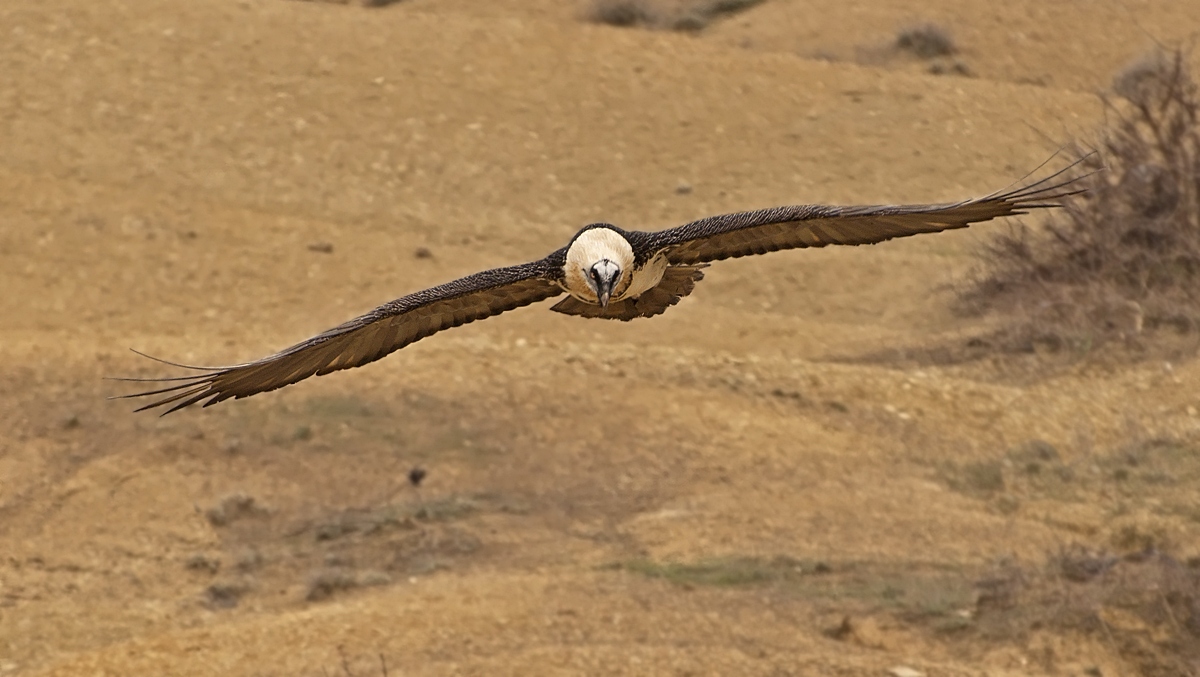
(606, 272)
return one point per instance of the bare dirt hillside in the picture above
(757, 482)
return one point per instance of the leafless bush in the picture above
(1125, 257)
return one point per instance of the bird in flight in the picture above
(606, 272)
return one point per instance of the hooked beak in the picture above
(603, 277)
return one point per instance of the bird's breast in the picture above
(643, 279)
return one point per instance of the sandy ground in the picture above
(174, 174)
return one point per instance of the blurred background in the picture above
(963, 454)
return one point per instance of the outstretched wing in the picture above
(363, 339)
(768, 230)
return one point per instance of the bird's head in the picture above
(599, 264)
(603, 277)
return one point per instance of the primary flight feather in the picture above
(607, 273)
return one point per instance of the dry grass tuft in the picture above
(328, 582)
(1124, 259)
(325, 584)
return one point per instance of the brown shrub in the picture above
(926, 41)
(1125, 257)
(622, 13)
(693, 15)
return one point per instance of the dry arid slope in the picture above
(755, 483)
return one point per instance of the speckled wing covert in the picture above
(767, 230)
(364, 339)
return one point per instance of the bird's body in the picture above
(604, 242)
(605, 271)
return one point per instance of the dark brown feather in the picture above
(366, 338)
(767, 230)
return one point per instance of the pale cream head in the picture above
(609, 254)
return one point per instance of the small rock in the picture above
(321, 247)
(684, 188)
(416, 475)
(423, 253)
(904, 671)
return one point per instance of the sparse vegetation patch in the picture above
(1144, 606)
(1121, 263)
(719, 572)
(1151, 474)
(918, 593)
